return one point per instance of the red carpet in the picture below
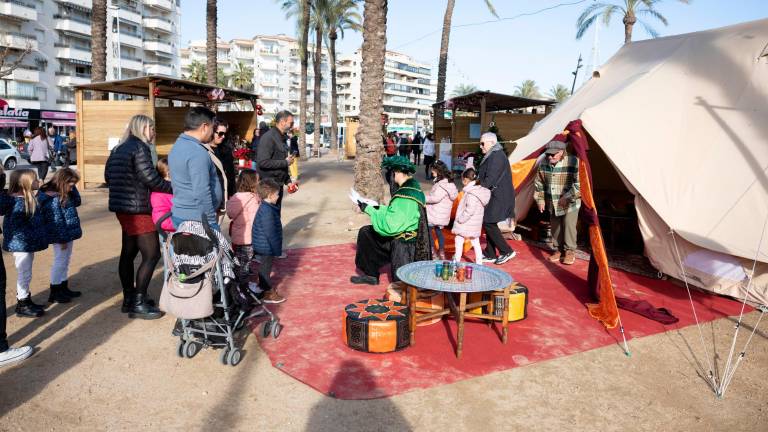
(316, 283)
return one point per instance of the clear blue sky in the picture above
(495, 56)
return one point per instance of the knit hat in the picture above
(399, 164)
(554, 147)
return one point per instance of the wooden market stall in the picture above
(474, 113)
(101, 123)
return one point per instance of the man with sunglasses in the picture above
(272, 157)
(557, 189)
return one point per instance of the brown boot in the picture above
(555, 257)
(570, 257)
(272, 297)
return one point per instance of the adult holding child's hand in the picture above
(272, 158)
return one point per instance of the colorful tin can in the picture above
(468, 272)
(438, 269)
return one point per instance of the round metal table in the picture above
(420, 275)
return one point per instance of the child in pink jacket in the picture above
(162, 202)
(440, 203)
(469, 215)
(241, 209)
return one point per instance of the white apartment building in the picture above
(142, 39)
(276, 71)
(409, 91)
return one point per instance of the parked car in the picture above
(9, 156)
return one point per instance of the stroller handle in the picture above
(159, 223)
(209, 231)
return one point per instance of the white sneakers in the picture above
(15, 355)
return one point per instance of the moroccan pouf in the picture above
(376, 326)
(425, 299)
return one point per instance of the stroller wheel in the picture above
(190, 349)
(276, 329)
(234, 357)
(266, 329)
(223, 357)
(180, 348)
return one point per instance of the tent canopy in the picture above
(169, 88)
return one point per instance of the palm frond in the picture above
(585, 26)
(491, 9)
(654, 13)
(587, 18)
(608, 13)
(648, 29)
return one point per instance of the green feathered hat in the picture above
(399, 164)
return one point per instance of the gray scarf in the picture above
(496, 147)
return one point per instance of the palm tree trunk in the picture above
(303, 46)
(99, 43)
(334, 96)
(210, 42)
(443, 63)
(317, 81)
(368, 180)
(629, 22)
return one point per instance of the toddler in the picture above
(241, 210)
(440, 203)
(469, 215)
(162, 202)
(267, 237)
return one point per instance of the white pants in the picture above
(459, 245)
(62, 253)
(23, 261)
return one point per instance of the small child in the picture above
(24, 234)
(440, 203)
(241, 210)
(469, 215)
(58, 201)
(162, 202)
(267, 237)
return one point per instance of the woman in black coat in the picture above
(496, 174)
(131, 177)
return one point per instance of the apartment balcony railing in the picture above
(157, 68)
(160, 4)
(86, 4)
(25, 95)
(158, 23)
(73, 53)
(25, 74)
(131, 62)
(73, 23)
(18, 41)
(72, 79)
(18, 9)
(130, 15)
(158, 45)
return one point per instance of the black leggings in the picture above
(42, 170)
(149, 246)
(494, 241)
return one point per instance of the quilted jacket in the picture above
(21, 233)
(62, 224)
(440, 202)
(469, 213)
(267, 236)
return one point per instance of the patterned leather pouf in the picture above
(425, 299)
(376, 326)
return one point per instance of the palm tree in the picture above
(99, 43)
(197, 72)
(559, 93)
(528, 89)
(242, 77)
(222, 79)
(463, 89)
(318, 77)
(338, 15)
(211, 47)
(442, 68)
(368, 180)
(631, 9)
(300, 9)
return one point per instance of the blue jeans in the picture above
(439, 234)
(178, 221)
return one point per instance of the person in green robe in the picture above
(398, 233)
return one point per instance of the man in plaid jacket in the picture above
(557, 190)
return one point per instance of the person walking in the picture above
(495, 174)
(556, 189)
(131, 177)
(40, 153)
(272, 158)
(440, 203)
(416, 146)
(257, 134)
(429, 154)
(469, 215)
(71, 146)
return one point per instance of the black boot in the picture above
(65, 289)
(127, 296)
(25, 308)
(364, 279)
(140, 308)
(57, 295)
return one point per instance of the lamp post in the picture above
(576, 73)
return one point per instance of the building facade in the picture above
(409, 91)
(142, 39)
(276, 67)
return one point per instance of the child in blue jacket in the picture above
(58, 200)
(24, 234)
(267, 237)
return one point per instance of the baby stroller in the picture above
(195, 246)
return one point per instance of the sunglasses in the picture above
(221, 134)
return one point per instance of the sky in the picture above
(496, 55)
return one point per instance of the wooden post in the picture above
(79, 135)
(483, 126)
(460, 319)
(152, 87)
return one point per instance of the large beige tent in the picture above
(684, 122)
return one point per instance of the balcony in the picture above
(73, 23)
(72, 53)
(25, 74)
(269, 52)
(86, 4)
(68, 80)
(158, 46)
(157, 68)
(158, 23)
(160, 4)
(129, 15)
(18, 41)
(269, 84)
(18, 9)
(21, 102)
(131, 63)
(268, 66)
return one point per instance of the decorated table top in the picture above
(421, 274)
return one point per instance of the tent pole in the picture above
(624, 337)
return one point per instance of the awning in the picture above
(6, 122)
(64, 123)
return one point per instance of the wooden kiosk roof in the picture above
(170, 88)
(488, 101)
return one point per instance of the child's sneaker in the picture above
(27, 309)
(272, 297)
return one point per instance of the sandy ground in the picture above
(95, 369)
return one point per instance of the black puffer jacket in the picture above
(131, 176)
(270, 157)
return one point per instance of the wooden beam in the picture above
(483, 126)
(80, 143)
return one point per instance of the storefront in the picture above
(14, 121)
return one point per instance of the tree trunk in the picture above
(99, 43)
(334, 96)
(211, 47)
(443, 63)
(316, 90)
(368, 179)
(304, 54)
(629, 22)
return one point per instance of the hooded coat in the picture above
(440, 202)
(469, 213)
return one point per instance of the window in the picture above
(4, 146)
